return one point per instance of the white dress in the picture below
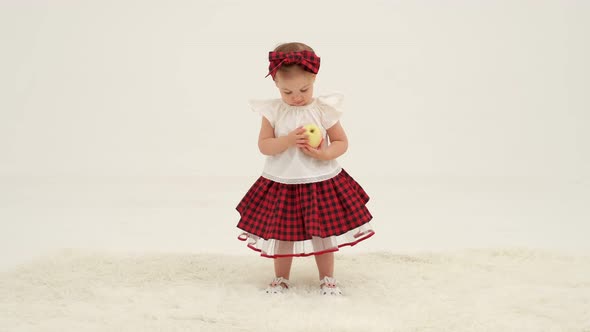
(293, 166)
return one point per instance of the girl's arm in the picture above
(270, 145)
(338, 145)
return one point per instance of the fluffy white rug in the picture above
(472, 290)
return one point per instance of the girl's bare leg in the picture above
(283, 264)
(283, 267)
(325, 263)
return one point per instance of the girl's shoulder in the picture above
(264, 104)
(330, 106)
(331, 99)
(268, 108)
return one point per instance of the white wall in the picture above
(118, 119)
(482, 88)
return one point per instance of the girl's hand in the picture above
(320, 152)
(297, 137)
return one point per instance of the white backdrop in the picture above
(125, 123)
(160, 88)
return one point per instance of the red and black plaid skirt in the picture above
(304, 219)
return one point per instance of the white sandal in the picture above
(276, 286)
(328, 286)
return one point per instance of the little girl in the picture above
(304, 203)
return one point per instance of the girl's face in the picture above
(296, 86)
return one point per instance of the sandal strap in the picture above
(277, 281)
(328, 282)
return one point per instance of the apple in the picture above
(314, 135)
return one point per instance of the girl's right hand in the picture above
(297, 137)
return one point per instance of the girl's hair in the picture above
(291, 47)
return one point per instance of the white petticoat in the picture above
(315, 246)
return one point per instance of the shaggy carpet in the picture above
(469, 290)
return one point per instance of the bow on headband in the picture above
(308, 60)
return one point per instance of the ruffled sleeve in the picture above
(331, 107)
(266, 108)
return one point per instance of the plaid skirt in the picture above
(281, 220)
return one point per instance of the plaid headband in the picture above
(308, 60)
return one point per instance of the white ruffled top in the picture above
(292, 166)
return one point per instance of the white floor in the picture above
(41, 215)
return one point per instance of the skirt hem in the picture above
(244, 237)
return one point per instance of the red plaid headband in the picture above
(308, 60)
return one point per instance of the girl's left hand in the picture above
(320, 152)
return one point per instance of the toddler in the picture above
(304, 203)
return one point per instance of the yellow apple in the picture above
(314, 135)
